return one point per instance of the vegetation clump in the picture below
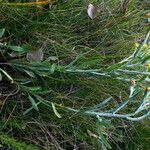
(68, 81)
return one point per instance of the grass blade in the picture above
(33, 103)
(55, 111)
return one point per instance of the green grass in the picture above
(66, 32)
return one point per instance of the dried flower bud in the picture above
(148, 15)
(133, 82)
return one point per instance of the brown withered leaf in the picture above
(93, 11)
(35, 55)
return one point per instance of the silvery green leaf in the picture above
(2, 32)
(17, 49)
(53, 68)
(52, 58)
(55, 111)
(33, 103)
(7, 75)
(0, 77)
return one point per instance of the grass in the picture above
(65, 34)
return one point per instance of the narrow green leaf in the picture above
(30, 73)
(43, 101)
(17, 49)
(74, 61)
(1, 45)
(104, 123)
(32, 88)
(53, 68)
(23, 80)
(102, 137)
(104, 141)
(143, 78)
(55, 111)
(2, 32)
(115, 66)
(33, 103)
(52, 58)
(29, 109)
(146, 59)
(7, 75)
(0, 77)
(102, 103)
